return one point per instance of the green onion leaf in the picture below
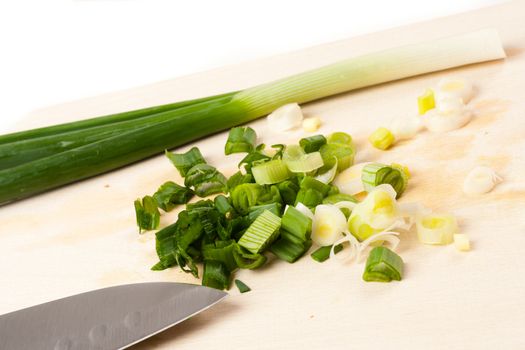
(238, 179)
(323, 253)
(147, 214)
(221, 251)
(297, 223)
(261, 232)
(257, 210)
(270, 172)
(243, 288)
(375, 174)
(339, 197)
(312, 143)
(205, 180)
(246, 260)
(289, 249)
(240, 140)
(216, 275)
(185, 161)
(170, 195)
(311, 192)
(245, 196)
(288, 190)
(253, 158)
(383, 265)
(224, 207)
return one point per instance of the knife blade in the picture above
(108, 318)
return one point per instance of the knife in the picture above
(108, 318)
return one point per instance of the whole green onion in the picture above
(188, 121)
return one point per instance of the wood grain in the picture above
(83, 236)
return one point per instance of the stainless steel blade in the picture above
(109, 318)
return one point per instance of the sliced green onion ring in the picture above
(271, 172)
(300, 162)
(375, 174)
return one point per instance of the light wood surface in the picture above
(83, 236)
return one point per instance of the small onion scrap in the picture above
(480, 180)
(285, 118)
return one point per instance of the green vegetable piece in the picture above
(245, 196)
(247, 260)
(240, 140)
(216, 275)
(323, 253)
(340, 137)
(221, 251)
(312, 192)
(243, 288)
(290, 249)
(261, 233)
(238, 179)
(288, 190)
(223, 206)
(147, 214)
(205, 180)
(185, 161)
(255, 211)
(296, 223)
(170, 195)
(270, 172)
(383, 265)
(344, 154)
(339, 197)
(375, 174)
(253, 158)
(382, 139)
(426, 102)
(312, 143)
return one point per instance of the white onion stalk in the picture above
(405, 128)
(328, 225)
(480, 180)
(285, 117)
(454, 87)
(449, 114)
(304, 210)
(349, 180)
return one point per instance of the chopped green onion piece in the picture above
(296, 223)
(185, 161)
(240, 139)
(243, 288)
(312, 143)
(223, 206)
(170, 194)
(383, 265)
(375, 174)
(261, 232)
(436, 228)
(323, 253)
(215, 275)
(245, 196)
(339, 197)
(340, 137)
(311, 192)
(253, 158)
(221, 251)
(426, 102)
(238, 179)
(270, 172)
(288, 190)
(246, 260)
(337, 153)
(382, 138)
(165, 247)
(329, 175)
(300, 162)
(257, 210)
(289, 248)
(205, 179)
(279, 149)
(147, 214)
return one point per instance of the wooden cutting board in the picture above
(83, 236)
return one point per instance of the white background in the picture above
(52, 51)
